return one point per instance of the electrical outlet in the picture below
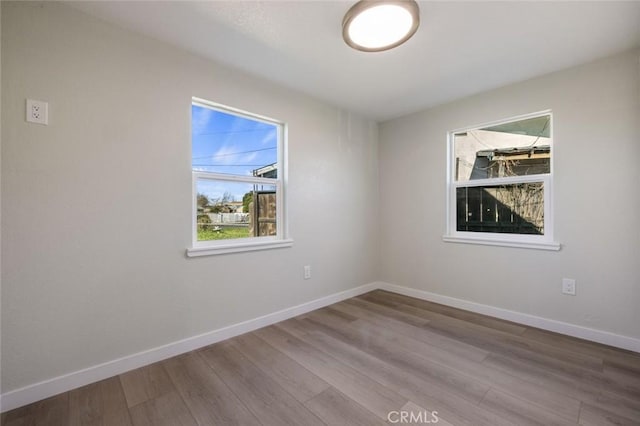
(37, 112)
(307, 272)
(569, 286)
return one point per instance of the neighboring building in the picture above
(234, 206)
(270, 171)
(512, 161)
(493, 153)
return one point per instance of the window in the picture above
(238, 180)
(500, 183)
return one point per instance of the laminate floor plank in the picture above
(420, 346)
(377, 296)
(386, 311)
(362, 389)
(145, 383)
(421, 415)
(514, 340)
(572, 387)
(595, 416)
(556, 402)
(541, 376)
(585, 377)
(115, 404)
(514, 346)
(294, 327)
(336, 409)
(522, 412)
(421, 314)
(86, 405)
(438, 375)
(208, 398)
(340, 314)
(622, 371)
(378, 369)
(418, 311)
(264, 397)
(362, 361)
(624, 379)
(487, 338)
(21, 416)
(624, 361)
(418, 333)
(472, 317)
(101, 403)
(166, 410)
(456, 409)
(615, 404)
(297, 380)
(52, 411)
(350, 308)
(613, 356)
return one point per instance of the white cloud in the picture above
(201, 119)
(269, 138)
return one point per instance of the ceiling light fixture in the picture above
(375, 25)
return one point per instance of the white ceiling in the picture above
(461, 48)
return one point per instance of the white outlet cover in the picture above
(569, 286)
(37, 112)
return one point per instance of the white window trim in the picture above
(541, 242)
(281, 239)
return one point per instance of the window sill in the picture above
(238, 247)
(503, 243)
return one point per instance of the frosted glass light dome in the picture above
(374, 26)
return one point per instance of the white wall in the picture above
(96, 206)
(0, 208)
(596, 111)
(85, 281)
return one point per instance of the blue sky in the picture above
(230, 144)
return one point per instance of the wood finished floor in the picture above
(356, 361)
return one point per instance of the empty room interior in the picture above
(320, 213)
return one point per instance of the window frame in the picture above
(281, 239)
(542, 242)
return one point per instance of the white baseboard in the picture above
(36, 392)
(604, 337)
